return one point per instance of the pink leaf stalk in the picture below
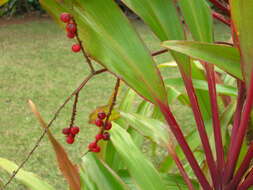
(220, 6)
(215, 118)
(184, 145)
(241, 132)
(221, 18)
(201, 128)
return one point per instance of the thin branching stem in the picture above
(76, 91)
(215, 118)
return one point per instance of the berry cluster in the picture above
(70, 133)
(105, 125)
(71, 29)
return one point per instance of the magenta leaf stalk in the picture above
(248, 182)
(242, 169)
(220, 6)
(241, 132)
(201, 128)
(215, 118)
(221, 18)
(174, 127)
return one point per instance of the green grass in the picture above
(36, 63)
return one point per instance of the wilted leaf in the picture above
(69, 171)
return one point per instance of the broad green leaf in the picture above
(67, 168)
(86, 182)
(198, 17)
(176, 182)
(163, 19)
(100, 173)
(225, 57)
(27, 178)
(125, 176)
(151, 128)
(242, 17)
(111, 40)
(202, 85)
(141, 170)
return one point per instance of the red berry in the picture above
(101, 115)
(99, 136)
(66, 131)
(74, 130)
(106, 136)
(92, 145)
(65, 17)
(70, 140)
(71, 35)
(76, 48)
(71, 27)
(108, 125)
(96, 149)
(99, 122)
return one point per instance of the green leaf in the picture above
(202, 85)
(27, 178)
(163, 19)
(225, 57)
(176, 182)
(86, 182)
(100, 173)
(151, 128)
(198, 17)
(141, 170)
(111, 40)
(242, 17)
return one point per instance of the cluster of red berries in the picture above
(71, 29)
(70, 133)
(93, 147)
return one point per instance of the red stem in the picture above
(241, 132)
(181, 168)
(220, 6)
(242, 169)
(174, 127)
(201, 128)
(247, 182)
(237, 120)
(221, 18)
(215, 117)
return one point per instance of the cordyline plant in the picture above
(105, 36)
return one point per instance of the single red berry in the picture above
(96, 149)
(65, 17)
(92, 145)
(74, 130)
(66, 131)
(71, 27)
(76, 48)
(99, 122)
(70, 139)
(71, 35)
(99, 136)
(101, 115)
(108, 125)
(106, 136)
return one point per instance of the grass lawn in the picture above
(36, 63)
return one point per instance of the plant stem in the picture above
(247, 182)
(180, 167)
(221, 18)
(242, 169)
(184, 145)
(241, 132)
(201, 128)
(215, 118)
(77, 90)
(220, 6)
(159, 52)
